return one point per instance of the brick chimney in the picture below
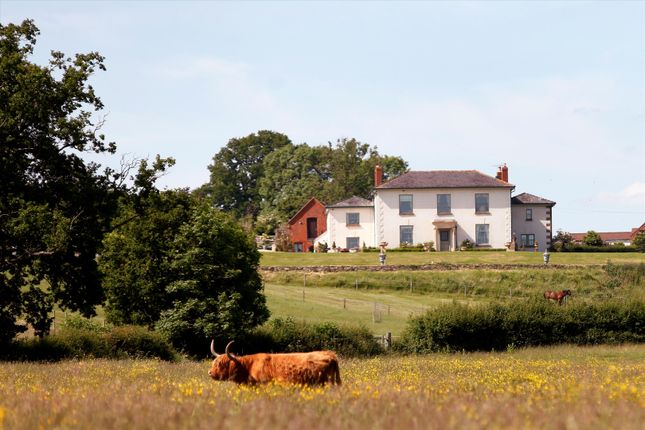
(378, 175)
(502, 173)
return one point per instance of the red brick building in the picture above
(306, 225)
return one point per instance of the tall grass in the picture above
(595, 388)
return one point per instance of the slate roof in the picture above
(530, 199)
(444, 179)
(353, 202)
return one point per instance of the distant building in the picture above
(445, 207)
(613, 237)
(307, 224)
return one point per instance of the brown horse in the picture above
(558, 296)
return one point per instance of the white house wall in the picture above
(388, 219)
(338, 230)
(539, 226)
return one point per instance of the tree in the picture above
(639, 242)
(236, 170)
(218, 291)
(295, 173)
(136, 258)
(562, 240)
(54, 207)
(592, 239)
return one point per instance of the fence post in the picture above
(344, 303)
(388, 340)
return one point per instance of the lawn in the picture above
(563, 387)
(419, 258)
(380, 311)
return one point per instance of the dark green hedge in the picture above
(287, 335)
(88, 342)
(500, 326)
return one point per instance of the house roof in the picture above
(304, 208)
(530, 199)
(637, 230)
(353, 202)
(444, 179)
(605, 236)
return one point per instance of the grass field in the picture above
(379, 311)
(418, 258)
(383, 301)
(563, 387)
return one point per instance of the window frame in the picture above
(411, 211)
(358, 218)
(444, 212)
(479, 196)
(409, 228)
(358, 242)
(529, 214)
(525, 242)
(486, 227)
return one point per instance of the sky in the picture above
(556, 90)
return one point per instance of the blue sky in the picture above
(556, 90)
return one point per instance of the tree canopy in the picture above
(218, 290)
(236, 170)
(285, 177)
(54, 206)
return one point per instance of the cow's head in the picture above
(227, 366)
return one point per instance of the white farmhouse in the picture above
(445, 207)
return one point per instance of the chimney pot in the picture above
(378, 175)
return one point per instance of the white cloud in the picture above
(632, 195)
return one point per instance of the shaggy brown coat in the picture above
(307, 368)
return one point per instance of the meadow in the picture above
(383, 300)
(562, 387)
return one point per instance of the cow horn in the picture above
(228, 354)
(213, 349)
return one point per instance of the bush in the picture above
(287, 335)
(81, 343)
(498, 326)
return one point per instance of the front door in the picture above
(444, 240)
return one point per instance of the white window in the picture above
(529, 214)
(353, 242)
(443, 203)
(481, 234)
(405, 234)
(481, 203)
(353, 218)
(405, 204)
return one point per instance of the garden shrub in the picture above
(497, 326)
